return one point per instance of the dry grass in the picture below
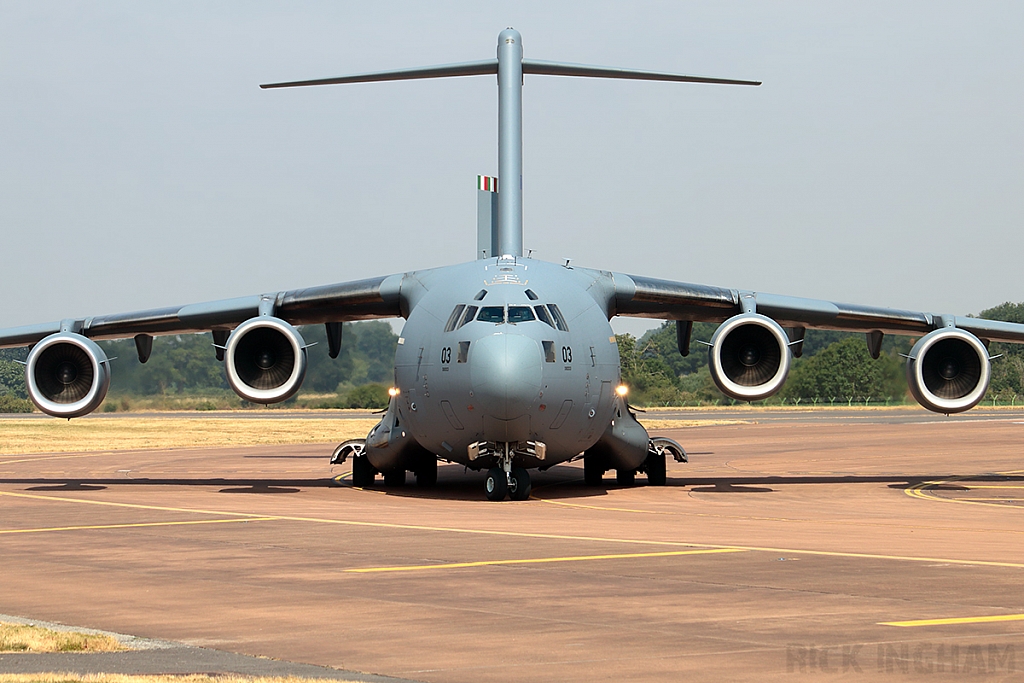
(805, 407)
(25, 638)
(19, 436)
(34, 435)
(655, 424)
(124, 678)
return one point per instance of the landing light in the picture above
(393, 391)
(622, 390)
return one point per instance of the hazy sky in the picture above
(140, 165)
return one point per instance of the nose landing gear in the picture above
(507, 479)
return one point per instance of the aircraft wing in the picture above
(358, 300)
(668, 300)
(948, 369)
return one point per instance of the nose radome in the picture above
(506, 374)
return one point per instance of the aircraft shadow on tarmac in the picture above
(557, 483)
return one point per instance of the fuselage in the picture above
(506, 351)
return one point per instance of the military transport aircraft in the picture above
(508, 363)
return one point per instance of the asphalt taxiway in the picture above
(836, 546)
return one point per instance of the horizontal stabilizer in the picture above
(530, 66)
(533, 66)
(488, 66)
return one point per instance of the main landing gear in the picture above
(654, 465)
(364, 474)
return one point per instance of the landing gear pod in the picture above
(67, 375)
(749, 357)
(265, 360)
(948, 370)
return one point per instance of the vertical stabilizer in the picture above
(486, 216)
(510, 143)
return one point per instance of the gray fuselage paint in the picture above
(507, 390)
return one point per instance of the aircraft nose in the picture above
(506, 372)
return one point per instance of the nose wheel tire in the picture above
(496, 484)
(362, 472)
(519, 486)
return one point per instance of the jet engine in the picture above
(948, 370)
(67, 375)
(749, 357)
(265, 359)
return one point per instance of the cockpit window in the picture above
(470, 312)
(520, 314)
(453, 319)
(542, 314)
(480, 295)
(559, 318)
(492, 314)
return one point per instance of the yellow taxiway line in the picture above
(955, 620)
(541, 560)
(133, 525)
(924, 491)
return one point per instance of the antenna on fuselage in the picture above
(510, 67)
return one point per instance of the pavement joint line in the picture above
(541, 560)
(688, 513)
(955, 620)
(525, 534)
(50, 456)
(599, 507)
(994, 486)
(4, 532)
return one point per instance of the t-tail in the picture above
(510, 67)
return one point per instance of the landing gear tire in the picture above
(496, 484)
(426, 473)
(656, 468)
(394, 478)
(593, 471)
(362, 472)
(520, 486)
(625, 477)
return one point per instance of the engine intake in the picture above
(948, 370)
(749, 357)
(265, 360)
(67, 375)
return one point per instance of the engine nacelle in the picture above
(749, 357)
(67, 375)
(948, 370)
(265, 360)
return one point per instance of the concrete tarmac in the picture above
(837, 548)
